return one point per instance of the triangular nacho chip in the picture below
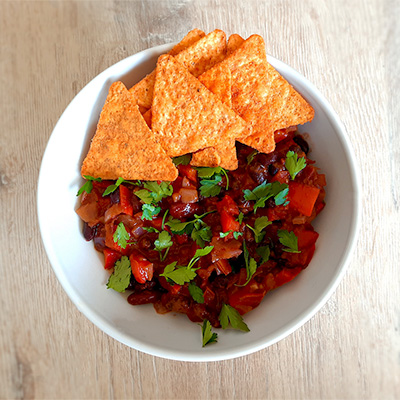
(123, 146)
(208, 157)
(192, 37)
(186, 116)
(234, 42)
(197, 58)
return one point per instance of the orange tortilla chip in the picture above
(123, 146)
(197, 58)
(192, 37)
(234, 42)
(208, 157)
(186, 116)
(147, 117)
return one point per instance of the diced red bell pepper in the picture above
(189, 172)
(142, 269)
(110, 257)
(181, 239)
(228, 205)
(306, 238)
(209, 296)
(223, 267)
(244, 300)
(228, 222)
(286, 275)
(302, 197)
(125, 200)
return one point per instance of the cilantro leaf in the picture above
(251, 264)
(210, 187)
(149, 211)
(121, 236)
(203, 252)
(288, 239)
(240, 217)
(251, 156)
(144, 195)
(265, 191)
(178, 274)
(112, 188)
(224, 234)
(182, 160)
(235, 234)
(259, 225)
(293, 164)
(230, 315)
(263, 252)
(163, 242)
(150, 229)
(207, 335)
(196, 293)
(201, 233)
(158, 191)
(88, 185)
(120, 278)
(163, 219)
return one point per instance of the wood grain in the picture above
(349, 50)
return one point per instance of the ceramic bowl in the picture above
(79, 268)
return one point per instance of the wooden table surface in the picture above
(50, 50)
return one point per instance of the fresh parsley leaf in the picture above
(293, 164)
(196, 293)
(251, 264)
(224, 234)
(158, 191)
(263, 252)
(120, 278)
(207, 335)
(163, 242)
(163, 219)
(201, 233)
(235, 234)
(182, 160)
(251, 156)
(210, 187)
(265, 191)
(121, 236)
(88, 186)
(288, 239)
(149, 211)
(112, 188)
(203, 252)
(178, 274)
(259, 225)
(230, 315)
(281, 197)
(144, 195)
(240, 217)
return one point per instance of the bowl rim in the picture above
(283, 332)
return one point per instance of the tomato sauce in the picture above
(222, 274)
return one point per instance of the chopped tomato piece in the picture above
(125, 196)
(142, 269)
(286, 275)
(302, 197)
(223, 267)
(306, 238)
(110, 257)
(228, 222)
(228, 205)
(189, 172)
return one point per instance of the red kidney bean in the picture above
(144, 297)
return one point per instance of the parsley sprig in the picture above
(294, 164)
(197, 229)
(235, 234)
(259, 225)
(251, 264)
(207, 334)
(114, 187)
(264, 252)
(121, 236)
(196, 293)
(288, 239)
(120, 278)
(211, 187)
(180, 274)
(230, 316)
(163, 242)
(88, 185)
(265, 191)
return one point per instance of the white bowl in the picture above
(79, 268)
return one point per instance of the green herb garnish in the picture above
(149, 211)
(163, 242)
(182, 160)
(207, 335)
(196, 293)
(211, 187)
(264, 252)
(288, 239)
(259, 225)
(120, 278)
(121, 236)
(293, 164)
(265, 191)
(230, 315)
(88, 185)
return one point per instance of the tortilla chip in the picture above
(192, 37)
(208, 157)
(234, 42)
(219, 81)
(147, 117)
(123, 146)
(186, 116)
(197, 58)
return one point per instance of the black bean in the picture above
(88, 232)
(302, 143)
(272, 170)
(114, 197)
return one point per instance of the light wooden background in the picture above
(350, 50)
